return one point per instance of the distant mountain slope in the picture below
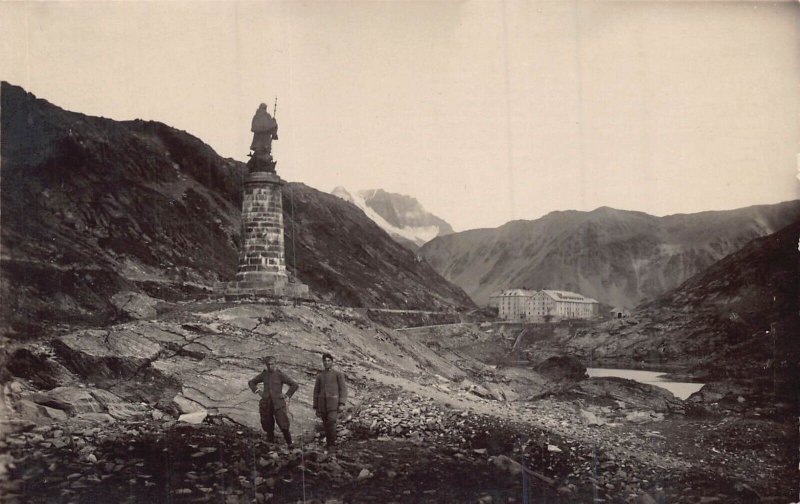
(615, 256)
(759, 283)
(401, 216)
(740, 316)
(349, 257)
(733, 326)
(92, 206)
(736, 319)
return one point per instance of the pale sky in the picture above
(484, 111)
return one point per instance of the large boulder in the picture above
(81, 401)
(38, 368)
(99, 354)
(738, 396)
(72, 400)
(716, 392)
(634, 394)
(29, 411)
(561, 367)
(135, 305)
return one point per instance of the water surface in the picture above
(681, 390)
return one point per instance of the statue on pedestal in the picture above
(265, 130)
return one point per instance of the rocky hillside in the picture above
(740, 316)
(399, 215)
(346, 258)
(737, 320)
(617, 257)
(92, 207)
(158, 410)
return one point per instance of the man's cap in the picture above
(267, 358)
(327, 356)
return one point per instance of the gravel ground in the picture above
(402, 447)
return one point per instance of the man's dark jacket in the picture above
(330, 391)
(273, 386)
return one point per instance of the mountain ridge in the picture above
(619, 257)
(729, 322)
(93, 206)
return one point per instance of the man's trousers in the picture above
(329, 423)
(269, 417)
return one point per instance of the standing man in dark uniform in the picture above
(330, 395)
(273, 402)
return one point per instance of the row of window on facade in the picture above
(543, 306)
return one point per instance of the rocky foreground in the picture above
(156, 410)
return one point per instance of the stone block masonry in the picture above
(262, 257)
(262, 261)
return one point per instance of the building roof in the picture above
(572, 297)
(515, 293)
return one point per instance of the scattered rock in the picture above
(193, 418)
(639, 417)
(185, 405)
(507, 464)
(134, 305)
(591, 419)
(645, 498)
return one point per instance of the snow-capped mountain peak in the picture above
(401, 216)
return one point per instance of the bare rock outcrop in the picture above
(135, 305)
(562, 368)
(634, 394)
(176, 368)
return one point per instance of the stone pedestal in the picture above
(262, 266)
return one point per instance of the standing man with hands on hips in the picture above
(330, 396)
(272, 407)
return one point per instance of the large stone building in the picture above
(512, 304)
(552, 305)
(523, 305)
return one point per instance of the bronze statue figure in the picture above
(265, 130)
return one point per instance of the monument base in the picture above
(276, 286)
(245, 290)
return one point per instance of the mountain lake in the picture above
(681, 390)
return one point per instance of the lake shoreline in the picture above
(680, 389)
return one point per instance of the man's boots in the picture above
(288, 437)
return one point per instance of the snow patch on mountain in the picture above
(418, 234)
